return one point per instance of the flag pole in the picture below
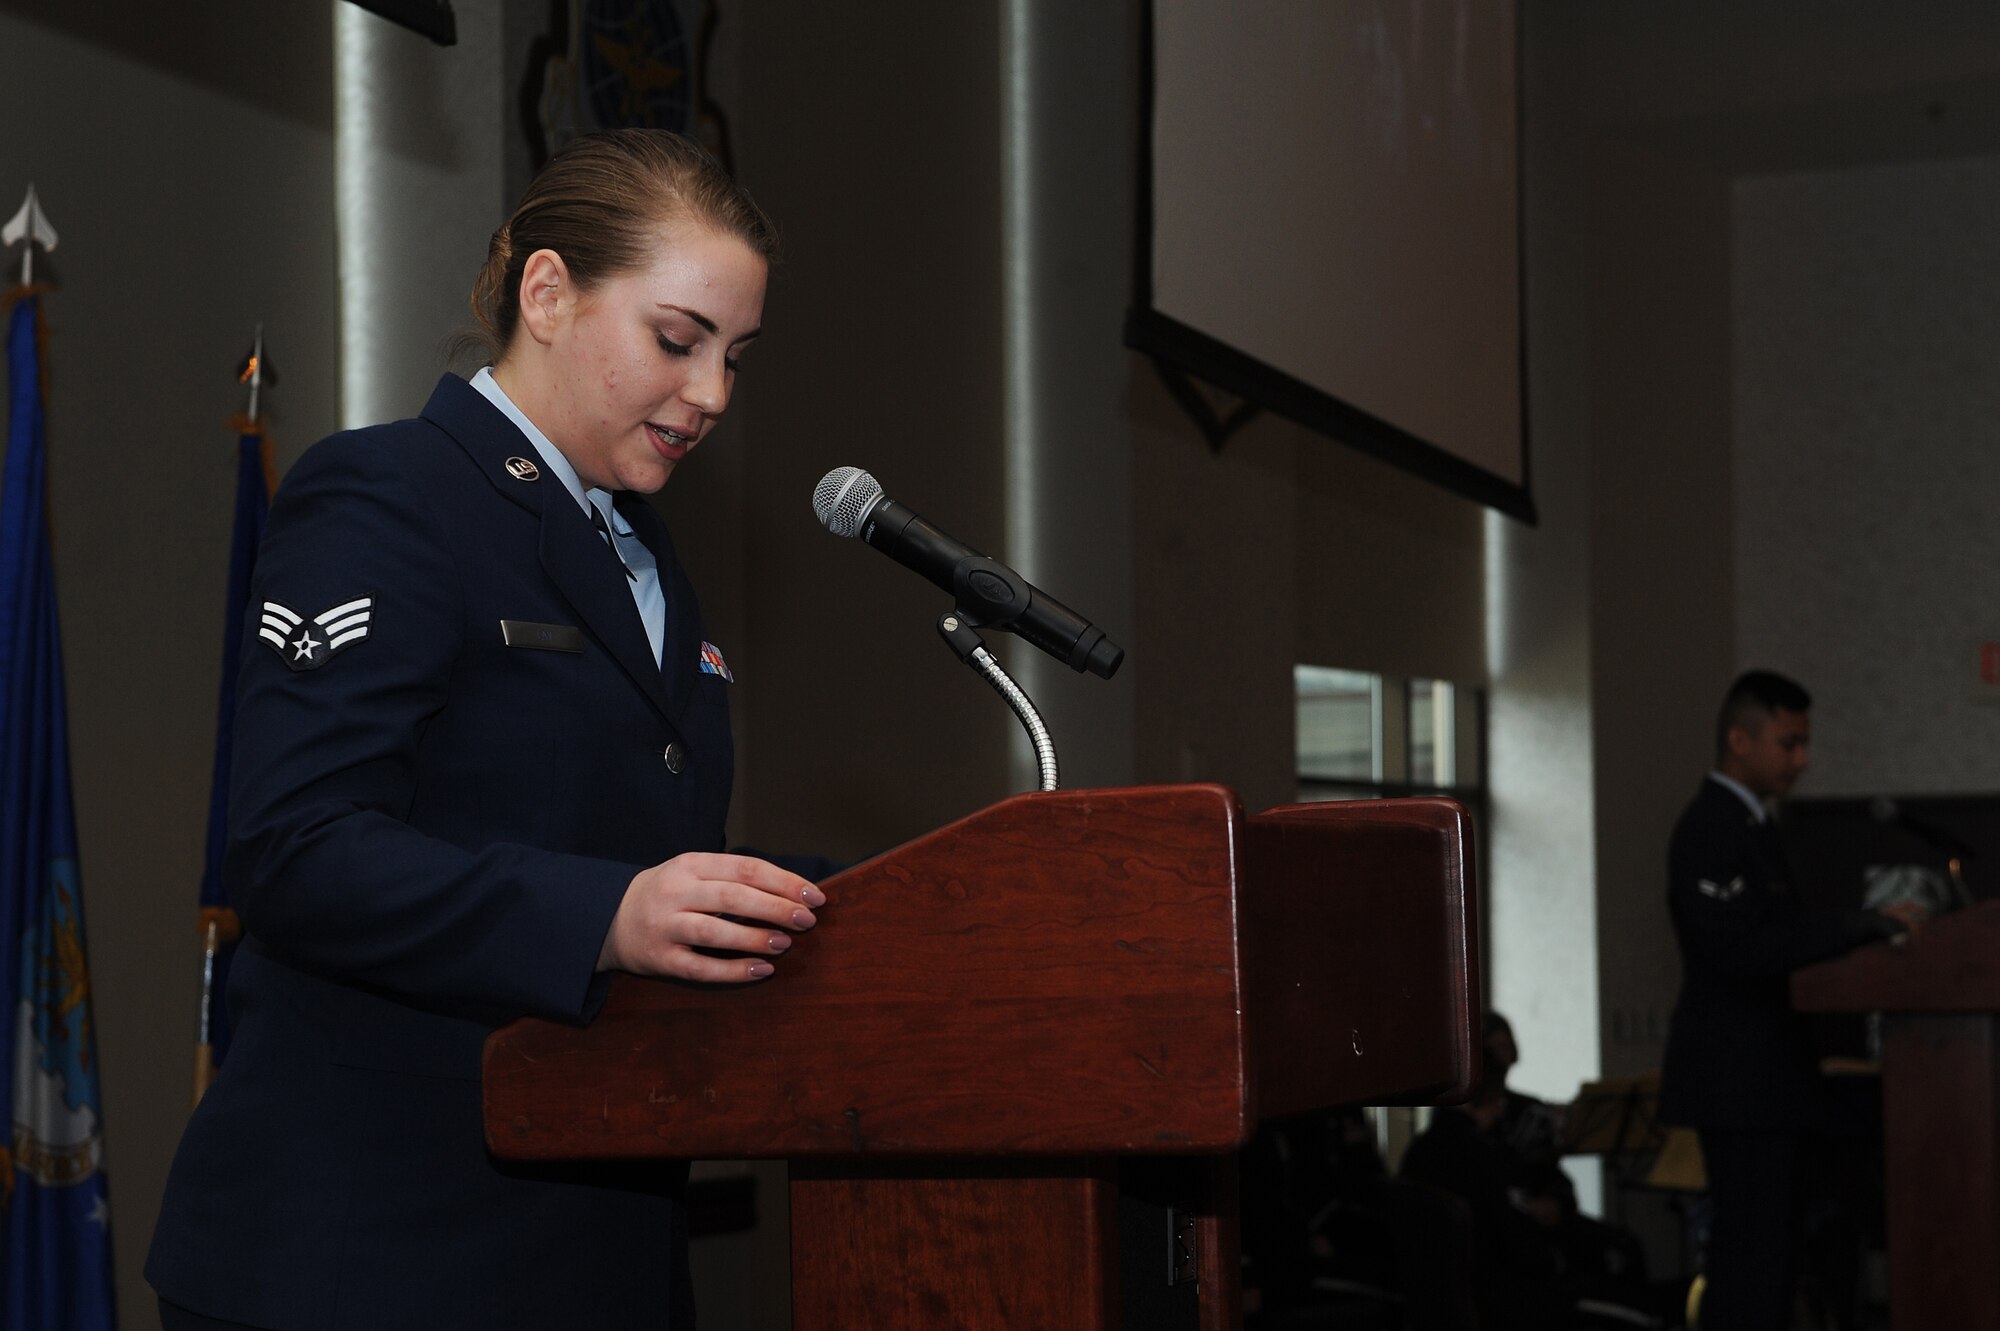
(219, 926)
(215, 933)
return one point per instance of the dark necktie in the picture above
(597, 521)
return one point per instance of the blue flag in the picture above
(54, 1209)
(219, 926)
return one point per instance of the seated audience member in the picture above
(1602, 1262)
(1328, 1232)
(1535, 1255)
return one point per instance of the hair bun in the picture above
(489, 292)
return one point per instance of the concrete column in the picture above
(1069, 83)
(418, 178)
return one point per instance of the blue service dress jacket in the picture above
(1738, 1058)
(454, 749)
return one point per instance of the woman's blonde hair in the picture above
(597, 203)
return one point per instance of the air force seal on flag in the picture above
(308, 644)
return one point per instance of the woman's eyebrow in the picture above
(708, 323)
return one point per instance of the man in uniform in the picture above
(1739, 1066)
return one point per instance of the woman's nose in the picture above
(708, 387)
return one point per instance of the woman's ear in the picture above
(545, 292)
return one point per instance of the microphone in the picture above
(1885, 810)
(849, 502)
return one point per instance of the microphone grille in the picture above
(842, 499)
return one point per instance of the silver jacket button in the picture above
(676, 757)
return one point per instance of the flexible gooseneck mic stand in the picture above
(959, 632)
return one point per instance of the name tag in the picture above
(541, 637)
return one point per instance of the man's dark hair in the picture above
(1752, 699)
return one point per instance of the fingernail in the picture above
(802, 919)
(812, 896)
(778, 942)
(759, 969)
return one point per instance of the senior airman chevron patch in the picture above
(308, 644)
(1728, 891)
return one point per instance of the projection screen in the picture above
(1330, 224)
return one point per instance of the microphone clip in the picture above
(960, 630)
(960, 633)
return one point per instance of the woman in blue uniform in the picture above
(482, 759)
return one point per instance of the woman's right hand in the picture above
(674, 915)
(1910, 915)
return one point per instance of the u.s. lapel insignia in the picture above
(523, 470)
(713, 664)
(308, 644)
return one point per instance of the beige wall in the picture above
(1661, 563)
(1867, 347)
(858, 728)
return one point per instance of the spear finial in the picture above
(30, 224)
(252, 371)
(256, 371)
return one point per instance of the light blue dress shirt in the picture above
(645, 580)
(1742, 792)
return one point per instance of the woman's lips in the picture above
(672, 444)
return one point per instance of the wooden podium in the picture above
(1939, 996)
(1010, 1064)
